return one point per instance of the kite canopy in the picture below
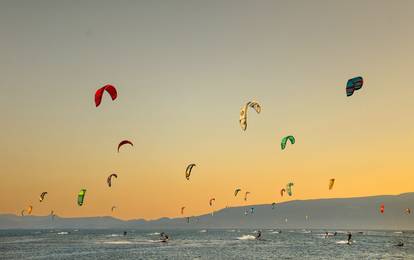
(289, 188)
(273, 205)
(282, 191)
(99, 93)
(211, 201)
(243, 113)
(353, 84)
(285, 140)
(331, 183)
(182, 210)
(236, 191)
(245, 195)
(123, 143)
(188, 170)
(112, 209)
(81, 196)
(109, 179)
(42, 196)
(29, 209)
(382, 208)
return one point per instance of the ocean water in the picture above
(203, 244)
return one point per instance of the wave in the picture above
(153, 234)
(203, 231)
(63, 233)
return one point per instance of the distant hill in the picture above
(346, 213)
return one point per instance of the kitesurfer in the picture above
(349, 238)
(259, 235)
(401, 243)
(164, 237)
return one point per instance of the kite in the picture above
(81, 196)
(331, 183)
(245, 195)
(285, 139)
(109, 179)
(124, 142)
(282, 191)
(42, 196)
(243, 113)
(188, 170)
(353, 84)
(182, 210)
(211, 201)
(99, 93)
(289, 188)
(236, 191)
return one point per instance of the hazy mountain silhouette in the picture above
(338, 213)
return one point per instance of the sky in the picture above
(183, 70)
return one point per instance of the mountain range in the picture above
(336, 213)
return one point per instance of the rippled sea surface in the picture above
(203, 244)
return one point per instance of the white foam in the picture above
(247, 237)
(62, 233)
(203, 231)
(153, 234)
(345, 242)
(117, 242)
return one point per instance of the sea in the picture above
(204, 244)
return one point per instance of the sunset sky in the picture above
(183, 70)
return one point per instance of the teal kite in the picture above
(353, 84)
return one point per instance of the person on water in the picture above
(401, 243)
(125, 233)
(349, 238)
(259, 234)
(164, 237)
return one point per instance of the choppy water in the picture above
(202, 244)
